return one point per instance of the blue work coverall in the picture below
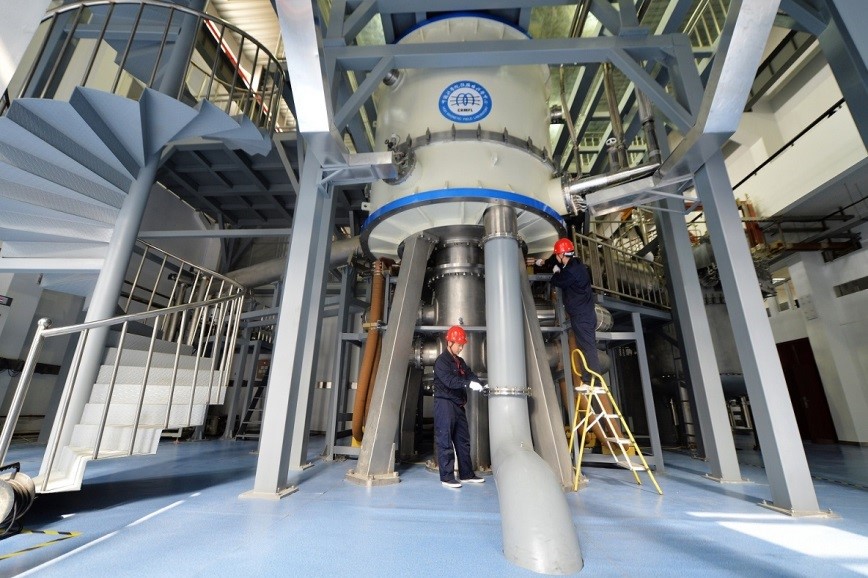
(451, 378)
(575, 284)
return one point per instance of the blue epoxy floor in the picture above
(178, 514)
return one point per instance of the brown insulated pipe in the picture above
(371, 347)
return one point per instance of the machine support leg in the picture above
(377, 455)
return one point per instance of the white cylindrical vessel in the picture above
(477, 137)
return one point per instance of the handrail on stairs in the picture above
(210, 328)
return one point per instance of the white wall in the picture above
(166, 212)
(837, 328)
(19, 22)
(828, 149)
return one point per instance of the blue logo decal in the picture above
(465, 101)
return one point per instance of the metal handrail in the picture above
(243, 91)
(621, 273)
(177, 264)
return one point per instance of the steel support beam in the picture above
(647, 393)
(845, 46)
(740, 49)
(695, 336)
(504, 52)
(232, 409)
(295, 347)
(783, 455)
(546, 422)
(216, 233)
(340, 392)
(305, 72)
(376, 464)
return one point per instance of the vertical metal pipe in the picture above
(97, 44)
(21, 389)
(136, 280)
(60, 54)
(105, 297)
(538, 531)
(109, 392)
(153, 76)
(129, 46)
(646, 115)
(459, 298)
(615, 114)
(175, 75)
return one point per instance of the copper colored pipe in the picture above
(371, 347)
(373, 382)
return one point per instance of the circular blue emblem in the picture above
(465, 101)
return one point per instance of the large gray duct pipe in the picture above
(538, 531)
(270, 271)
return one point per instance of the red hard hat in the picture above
(456, 335)
(564, 246)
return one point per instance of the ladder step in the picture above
(620, 441)
(631, 466)
(588, 389)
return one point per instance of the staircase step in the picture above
(37, 228)
(66, 250)
(26, 187)
(138, 358)
(23, 149)
(140, 342)
(116, 439)
(60, 211)
(57, 123)
(116, 121)
(156, 394)
(153, 415)
(161, 375)
(80, 284)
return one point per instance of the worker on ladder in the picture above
(574, 280)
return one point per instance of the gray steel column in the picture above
(172, 80)
(317, 274)
(546, 422)
(409, 409)
(537, 525)
(376, 464)
(784, 457)
(845, 46)
(647, 394)
(690, 316)
(338, 393)
(106, 293)
(297, 331)
(701, 363)
(238, 382)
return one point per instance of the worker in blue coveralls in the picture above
(574, 280)
(452, 377)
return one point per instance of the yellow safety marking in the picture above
(64, 536)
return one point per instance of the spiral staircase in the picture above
(65, 169)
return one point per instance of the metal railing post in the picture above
(21, 389)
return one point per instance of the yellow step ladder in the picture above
(596, 409)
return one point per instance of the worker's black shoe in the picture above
(473, 480)
(451, 483)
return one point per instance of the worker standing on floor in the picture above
(452, 377)
(574, 280)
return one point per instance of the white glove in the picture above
(475, 386)
(556, 269)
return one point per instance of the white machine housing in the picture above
(480, 136)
